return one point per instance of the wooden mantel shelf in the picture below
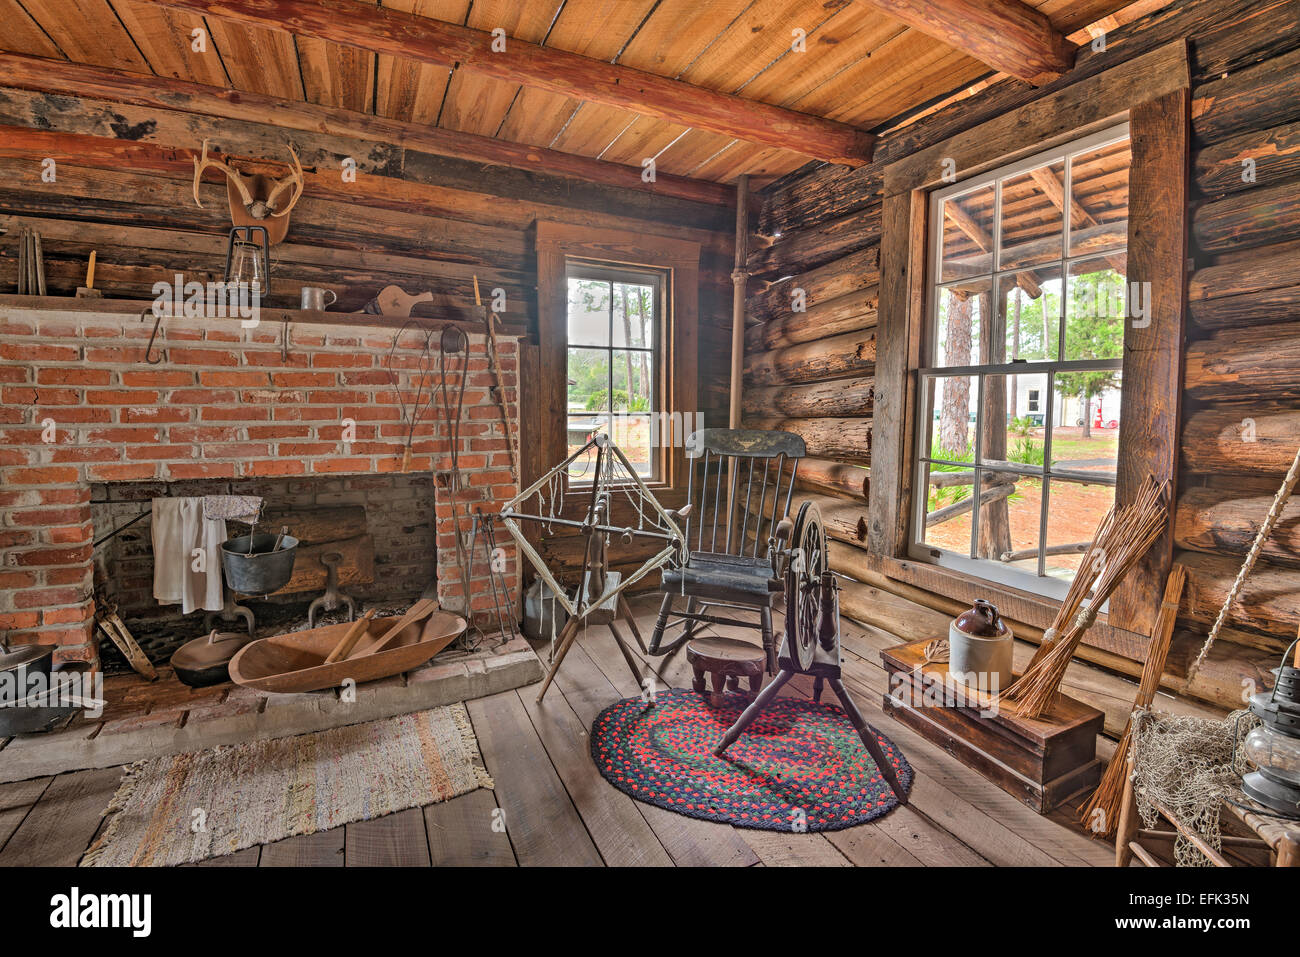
(311, 317)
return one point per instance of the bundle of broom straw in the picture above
(1122, 539)
(1110, 792)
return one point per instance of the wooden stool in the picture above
(727, 660)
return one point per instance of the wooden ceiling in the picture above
(862, 67)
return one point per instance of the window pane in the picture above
(632, 435)
(950, 417)
(963, 315)
(588, 380)
(1030, 304)
(1088, 439)
(967, 235)
(1010, 513)
(947, 507)
(1073, 513)
(634, 307)
(589, 301)
(1032, 218)
(581, 429)
(633, 381)
(1015, 418)
(1099, 194)
(1096, 308)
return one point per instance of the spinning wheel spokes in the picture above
(808, 563)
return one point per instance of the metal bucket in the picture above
(263, 571)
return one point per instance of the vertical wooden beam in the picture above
(1151, 406)
(739, 278)
(898, 352)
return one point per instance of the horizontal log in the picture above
(1254, 362)
(859, 270)
(1256, 97)
(846, 439)
(1241, 440)
(1269, 601)
(1264, 269)
(1007, 35)
(804, 249)
(242, 106)
(889, 612)
(851, 313)
(409, 36)
(1247, 159)
(314, 526)
(827, 192)
(1208, 316)
(310, 573)
(853, 397)
(988, 495)
(1266, 214)
(837, 478)
(1225, 522)
(852, 354)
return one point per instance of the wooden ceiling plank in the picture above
(410, 91)
(87, 31)
(385, 31)
(335, 75)
(69, 79)
(590, 28)
(258, 60)
(674, 36)
(1007, 35)
(165, 37)
(22, 34)
(478, 103)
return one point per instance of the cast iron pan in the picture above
(205, 661)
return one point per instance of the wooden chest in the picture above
(1041, 761)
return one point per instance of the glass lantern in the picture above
(1274, 746)
(248, 261)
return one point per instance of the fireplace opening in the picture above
(377, 530)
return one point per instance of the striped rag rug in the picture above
(189, 807)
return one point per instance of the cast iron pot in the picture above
(262, 570)
(206, 661)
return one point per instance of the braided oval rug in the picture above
(799, 767)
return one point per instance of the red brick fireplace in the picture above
(80, 406)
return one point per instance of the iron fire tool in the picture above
(453, 342)
(599, 591)
(812, 631)
(496, 579)
(421, 403)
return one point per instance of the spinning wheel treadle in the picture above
(812, 636)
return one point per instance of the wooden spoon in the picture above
(420, 610)
(349, 640)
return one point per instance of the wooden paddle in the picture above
(420, 610)
(350, 639)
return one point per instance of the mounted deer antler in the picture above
(255, 198)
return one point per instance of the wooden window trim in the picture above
(1153, 92)
(557, 243)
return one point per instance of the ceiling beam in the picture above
(1010, 36)
(83, 80)
(412, 37)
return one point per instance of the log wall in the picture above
(820, 227)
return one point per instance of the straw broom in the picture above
(1110, 792)
(1122, 539)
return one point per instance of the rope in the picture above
(1274, 513)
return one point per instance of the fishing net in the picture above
(1186, 764)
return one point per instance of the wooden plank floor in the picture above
(551, 806)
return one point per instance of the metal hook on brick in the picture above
(157, 321)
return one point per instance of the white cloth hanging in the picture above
(179, 575)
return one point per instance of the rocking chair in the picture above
(730, 561)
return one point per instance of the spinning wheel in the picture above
(807, 565)
(812, 633)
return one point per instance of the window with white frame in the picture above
(614, 330)
(1022, 364)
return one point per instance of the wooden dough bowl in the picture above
(295, 662)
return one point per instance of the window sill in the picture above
(1013, 603)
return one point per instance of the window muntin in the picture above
(1027, 303)
(613, 324)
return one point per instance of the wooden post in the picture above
(739, 278)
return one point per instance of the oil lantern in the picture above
(1274, 746)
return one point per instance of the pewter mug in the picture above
(313, 297)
